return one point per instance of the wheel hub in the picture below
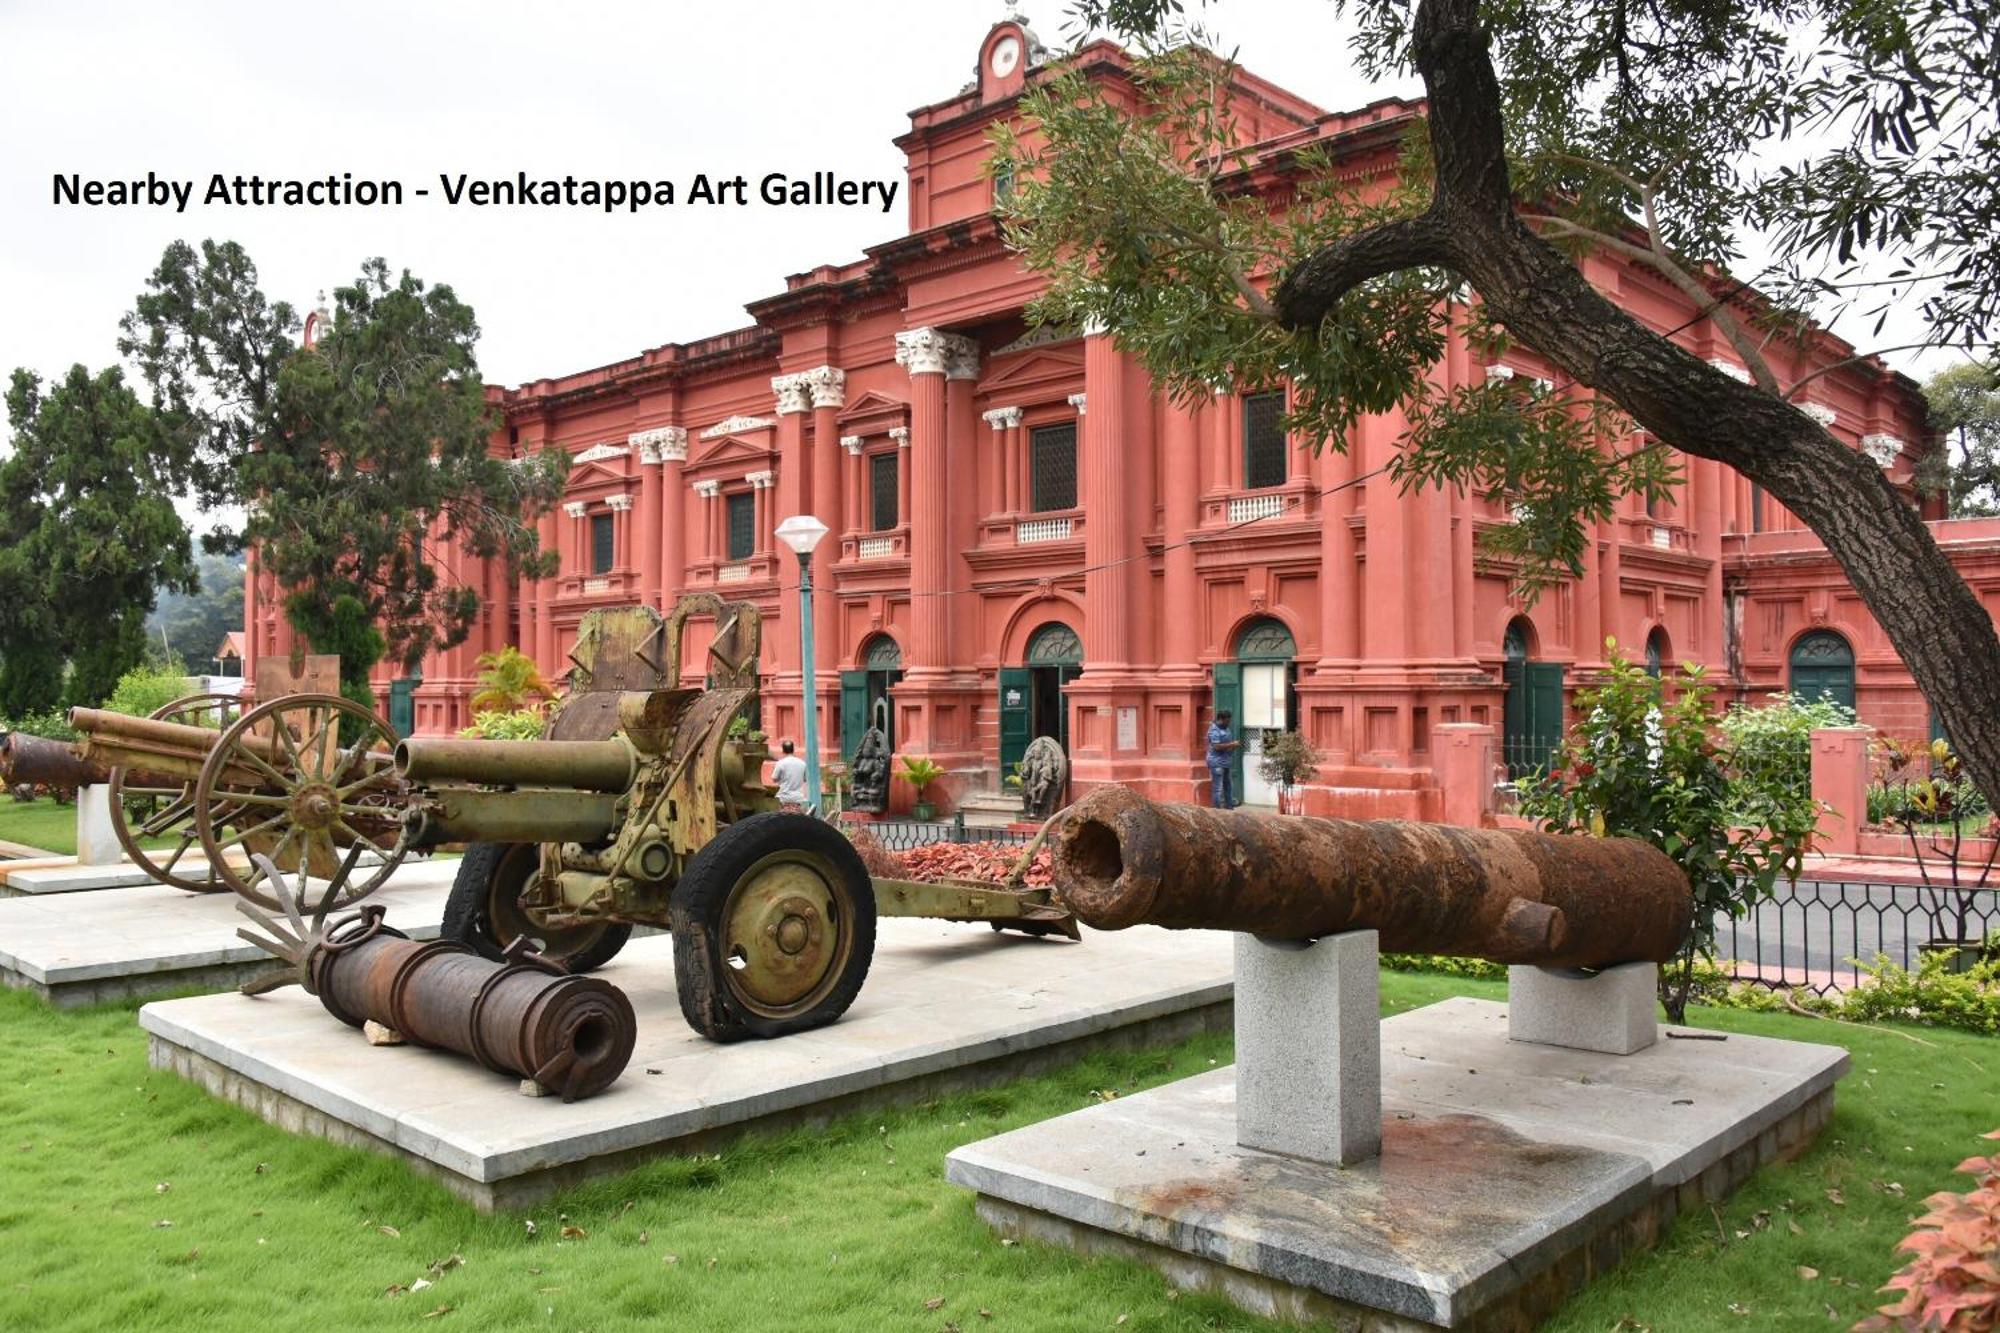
(779, 935)
(315, 806)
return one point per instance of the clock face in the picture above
(1006, 55)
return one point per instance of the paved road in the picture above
(1812, 929)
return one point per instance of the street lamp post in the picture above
(802, 532)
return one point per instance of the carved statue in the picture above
(871, 773)
(1044, 778)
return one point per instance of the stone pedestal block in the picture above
(96, 838)
(1612, 1011)
(1309, 1047)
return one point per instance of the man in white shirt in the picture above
(789, 775)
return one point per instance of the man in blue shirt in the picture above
(1221, 762)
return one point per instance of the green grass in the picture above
(848, 1228)
(39, 823)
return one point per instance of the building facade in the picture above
(1027, 539)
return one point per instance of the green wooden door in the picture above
(1016, 690)
(853, 711)
(402, 706)
(1229, 697)
(1545, 711)
(1823, 668)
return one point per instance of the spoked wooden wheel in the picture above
(774, 928)
(307, 781)
(150, 806)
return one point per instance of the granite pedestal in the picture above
(87, 948)
(1509, 1172)
(945, 1006)
(65, 874)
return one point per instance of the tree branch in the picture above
(1314, 286)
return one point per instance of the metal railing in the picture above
(900, 835)
(1815, 934)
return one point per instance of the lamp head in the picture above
(801, 532)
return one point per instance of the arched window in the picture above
(882, 653)
(1657, 651)
(1266, 641)
(1055, 644)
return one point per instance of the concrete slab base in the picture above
(945, 1007)
(88, 948)
(67, 876)
(1509, 1174)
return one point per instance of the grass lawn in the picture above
(130, 1199)
(40, 823)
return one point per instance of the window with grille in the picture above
(1264, 440)
(882, 481)
(742, 525)
(1052, 464)
(603, 544)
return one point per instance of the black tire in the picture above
(481, 912)
(815, 861)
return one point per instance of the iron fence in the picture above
(1816, 934)
(900, 835)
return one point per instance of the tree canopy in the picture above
(1859, 138)
(1965, 411)
(86, 501)
(352, 459)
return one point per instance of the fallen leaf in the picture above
(445, 1265)
(441, 1310)
(985, 1313)
(1794, 1227)
(934, 1303)
(670, 1258)
(420, 1284)
(390, 1231)
(1837, 1198)
(162, 1224)
(394, 1289)
(1121, 1319)
(530, 1223)
(575, 1233)
(1738, 1308)
(259, 1169)
(1008, 1240)
(1808, 1274)
(163, 1187)
(645, 1236)
(711, 1261)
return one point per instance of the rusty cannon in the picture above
(522, 1015)
(645, 805)
(303, 778)
(39, 762)
(1509, 896)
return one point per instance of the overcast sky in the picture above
(415, 88)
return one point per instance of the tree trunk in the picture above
(1932, 618)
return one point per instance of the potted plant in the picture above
(1288, 762)
(920, 773)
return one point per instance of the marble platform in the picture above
(945, 1006)
(87, 948)
(1509, 1172)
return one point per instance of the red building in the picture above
(1028, 540)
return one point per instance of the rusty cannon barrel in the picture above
(38, 760)
(572, 1035)
(513, 791)
(1512, 897)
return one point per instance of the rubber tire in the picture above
(468, 922)
(696, 911)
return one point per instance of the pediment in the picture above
(872, 413)
(758, 448)
(594, 474)
(1036, 369)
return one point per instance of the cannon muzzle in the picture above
(602, 766)
(43, 762)
(1510, 896)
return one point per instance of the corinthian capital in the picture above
(935, 352)
(791, 391)
(662, 444)
(827, 385)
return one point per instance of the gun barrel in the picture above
(468, 814)
(602, 766)
(36, 759)
(1510, 896)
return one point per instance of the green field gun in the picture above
(644, 806)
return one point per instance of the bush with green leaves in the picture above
(520, 724)
(146, 689)
(1638, 764)
(1770, 746)
(50, 723)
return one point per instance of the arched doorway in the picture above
(1657, 652)
(1257, 690)
(1823, 667)
(865, 694)
(1533, 711)
(1032, 702)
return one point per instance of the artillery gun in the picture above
(641, 808)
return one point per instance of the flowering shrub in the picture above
(1954, 1282)
(1639, 765)
(1936, 994)
(1770, 749)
